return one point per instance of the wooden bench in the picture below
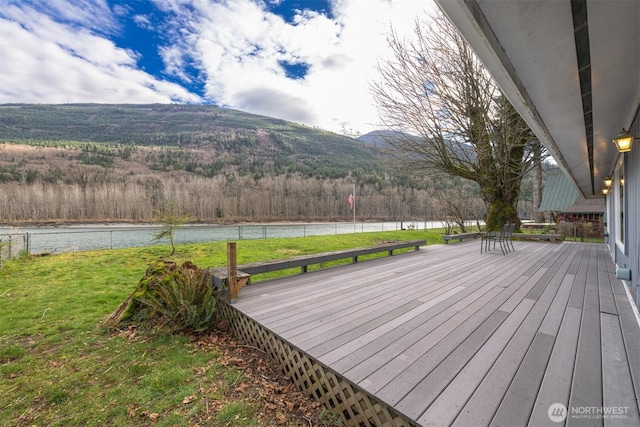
(245, 271)
(461, 236)
(547, 237)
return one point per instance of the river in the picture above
(72, 238)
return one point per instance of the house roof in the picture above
(569, 67)
(586, 206)
(560, 195)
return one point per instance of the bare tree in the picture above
(448, 114)
(85, 176)
(457, 206)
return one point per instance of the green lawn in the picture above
(58, 367)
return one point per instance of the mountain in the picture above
(378, 138)
(230, 136)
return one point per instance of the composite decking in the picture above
(449, 336)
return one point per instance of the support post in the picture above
(232, 278)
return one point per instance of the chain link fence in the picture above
(73, 239)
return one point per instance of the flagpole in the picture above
(354, 208)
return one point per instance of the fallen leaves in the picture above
(189, 399)
(132, 411)
(276, 399)
(257, 384)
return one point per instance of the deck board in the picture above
(349, 348)
(448, 336)
(519, 400)
(475, 329)
(420, 397)
(393, 372)
(485, 401)
(607, 303)
(517, 405)
(577, 293)
(631, 337)
(586, 390)
(448, 404)
(617, 388)
(556, 384)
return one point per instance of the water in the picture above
(74, 238)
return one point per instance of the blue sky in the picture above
(307, 61)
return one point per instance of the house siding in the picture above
(630, 256)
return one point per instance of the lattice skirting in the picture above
(357, 407)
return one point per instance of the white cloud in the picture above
(49, 61)
(94, 14)
(238, 45)
(59, 51)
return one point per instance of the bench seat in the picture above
(245, 271)
(528, 236)
(461, 236)
(303, 261)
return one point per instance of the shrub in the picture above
(579, 229)
(179, 298)
(184, 299)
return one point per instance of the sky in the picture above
(306, 61)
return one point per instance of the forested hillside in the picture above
(245, 141)
(89, 162)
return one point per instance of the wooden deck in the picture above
(449, 336)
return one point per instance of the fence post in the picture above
(25, 242)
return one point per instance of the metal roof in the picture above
(558, 193)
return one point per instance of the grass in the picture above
(58, 367)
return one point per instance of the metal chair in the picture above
(509, 237)
(500, 237)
